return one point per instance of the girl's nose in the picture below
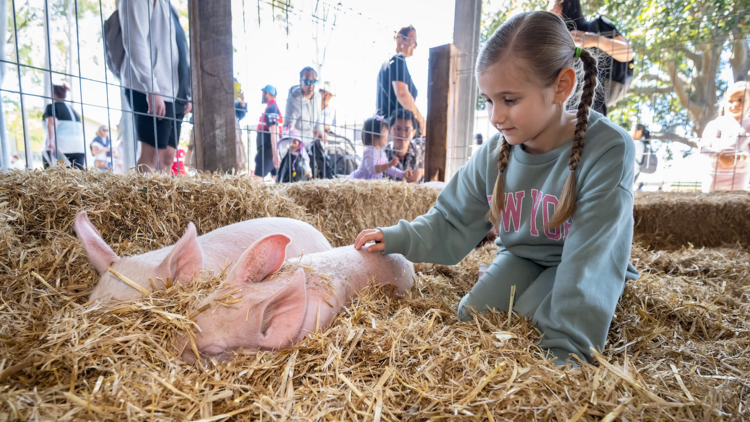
(497, 117)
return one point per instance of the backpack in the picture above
(614, 76)
(649, 161)
(115, 50)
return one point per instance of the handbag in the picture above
(69, 135)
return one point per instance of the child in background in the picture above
(557, 182)
(725, 142)
(374, 161)
(295, 164)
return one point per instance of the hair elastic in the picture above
(579, 50)
(572, 171)
(499, 173)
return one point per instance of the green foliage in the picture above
(676, 44)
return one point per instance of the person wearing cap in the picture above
(328, 112)
(303, 107)
(267, 159)
(101, 149)
(295, 166)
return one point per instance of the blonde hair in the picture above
(541, 42)
(741, 86)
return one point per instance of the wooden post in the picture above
(211, 55)
(442, 92)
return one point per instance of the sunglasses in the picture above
(310, 81)
(408, 40)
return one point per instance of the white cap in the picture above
(328, 87)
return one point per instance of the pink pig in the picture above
(189, 255)
(260, 309)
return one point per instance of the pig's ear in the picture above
(262, 258)
(185, 259)
(283, 314)
(100, 255)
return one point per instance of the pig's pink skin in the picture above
(191, 254)
(280, 309)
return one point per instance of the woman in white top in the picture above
(725, 143)
(64, 131)
(150, 75)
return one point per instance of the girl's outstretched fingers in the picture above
(369, 236)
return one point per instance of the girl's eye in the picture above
(510, 101)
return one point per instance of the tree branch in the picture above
(693, 107)
(650, 90)
(740, 61)
(673, 137)
(696, 58)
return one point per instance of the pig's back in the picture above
(239, 236)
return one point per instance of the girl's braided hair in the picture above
(541, 42)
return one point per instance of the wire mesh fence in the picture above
(680, 106)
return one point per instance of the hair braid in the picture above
(567, 204)
(498, 194)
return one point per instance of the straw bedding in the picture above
(678, 346)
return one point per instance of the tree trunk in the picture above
(740, 60)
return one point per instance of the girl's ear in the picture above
(566, 83)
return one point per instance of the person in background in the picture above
(267, 158)
(101, 149)
(240, 106)
(403, 146)
(478, 141)
(240, 111)
(295, 166)
(150, 76)
(586, 35)
(183, 104)
(726, 143)
(395, 88)
(15, 162)
(328, 112)
(303, 108)
(374, 161)
(64, 130)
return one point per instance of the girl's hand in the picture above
(394, 162)
(308, 175)
(408, 174)
(369, 236)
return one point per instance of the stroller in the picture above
(295, 164)
(343, 156)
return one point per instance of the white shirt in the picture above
(147, 69)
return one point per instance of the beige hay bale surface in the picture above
(342, 208)
(668, 220)
(382, 358)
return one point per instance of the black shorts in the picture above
(150, 130)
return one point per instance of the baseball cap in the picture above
(328, 87)
(291, 133)
(269, 89)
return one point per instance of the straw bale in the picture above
(341, 208)
(677, 348)
(670, 220)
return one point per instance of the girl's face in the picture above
(518, 107)
(295, 146)
(737, 103)
(382, 140)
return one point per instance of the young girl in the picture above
(725, 143)
(557, 184)
(295, 166)
(374, 161)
